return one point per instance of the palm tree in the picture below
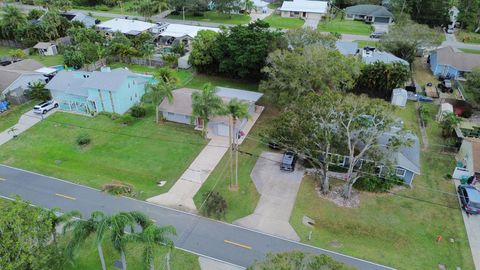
(12, 21)
(236, 110)
(249, 6)
(58, 218)
(166, 74)
(152, 237)
(82, 229)
(156, 93)
(118, 223)
(37, 90)
(206, 104)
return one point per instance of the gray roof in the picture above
(384, 57)
(10, 73)
(230, 93)
(83, 18)
(108, 80)
(369, 10)
(70, 82)
(459, 60)
(347, 48)
(78, 82)
(43, 45)
(25, 65)
(407, 157)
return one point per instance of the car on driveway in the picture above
(377, 34)
(469, 198)
(44, 107)
(288, 161)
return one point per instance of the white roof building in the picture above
(305, 6)
(181, 30)
(125, 26)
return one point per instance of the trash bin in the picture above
(464, 180)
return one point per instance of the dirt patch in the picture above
(335, 196)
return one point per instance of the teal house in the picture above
(114, 91)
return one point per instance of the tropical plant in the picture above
(58, 218)
(298, 260)
(17, 54)
(214, 204)
(118, 224)
(138, 111)
(82, 229)
(37, 90)
(155, 94)
(153, 237)
(12, 21)
(206, 104)
(249, 6)
(83, 139)
(167, 75)
(236, 110)
(448, 123)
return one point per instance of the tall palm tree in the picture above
(166, 74)
(118, 224)
(155, 94)
(58, 218)
(236, 110)
(11, 22)
(206, 104)
(152, 237)
(82, 229)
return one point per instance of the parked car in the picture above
(469, 198)
(288, 161)
(446, 86)
(377, 34)
(44, 107)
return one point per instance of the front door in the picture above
(304, 14)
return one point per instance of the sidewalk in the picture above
(26, 121)
(180, 196)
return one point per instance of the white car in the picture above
(44, 107)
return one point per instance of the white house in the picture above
(46, 48)
(125, 26)
(15, 79)
(180, 109)
(305, 9)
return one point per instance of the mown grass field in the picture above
(345, 27)
(277, 21)
(214, 17)
(11, 116)
(140, 154)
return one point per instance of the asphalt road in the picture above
(206, 237)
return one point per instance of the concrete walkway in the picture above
(26, 121)
(180, 196)
(472, 226)
(260, 15)
(278, 192)
(211, 264)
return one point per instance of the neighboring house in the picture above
(75, 16)
(99, 91)
(46, 48)
(305, 9)
(15, 79)
(406, 159)
(369, 14)
(448, 62)
(347, 48)
(371, 55)
(170, 33)
(468, 159)
(180, 110)
(125, 26)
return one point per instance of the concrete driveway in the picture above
(313, 23)
(26, 121)
(472, 225)
(278, 192)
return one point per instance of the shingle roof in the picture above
(384, 57)
(459, 60)
(369, 10)
(305, 6)
(43, 45)
(407, 157)
(108, 80)
(230, 93)
(70, 82)
(25, 65)
(125, 26)
(10, 73)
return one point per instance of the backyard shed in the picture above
(46, 48)
(399, 97)
(444, 109)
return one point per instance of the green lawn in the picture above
(200, 79)
(46, 60)
(470, 51)
(277, 21)
(10, 117)
(363, 43)
(102, 18)
(395, 230)
(345, 27)
(140, 154)
(214, 17)
(242, 202)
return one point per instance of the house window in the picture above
(170, 114)
(400, 172)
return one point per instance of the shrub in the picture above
(83, 139)
(138, 111)
(372, 183)
(117, 188)
(126, 119)
(113, 116)
(215, 204)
